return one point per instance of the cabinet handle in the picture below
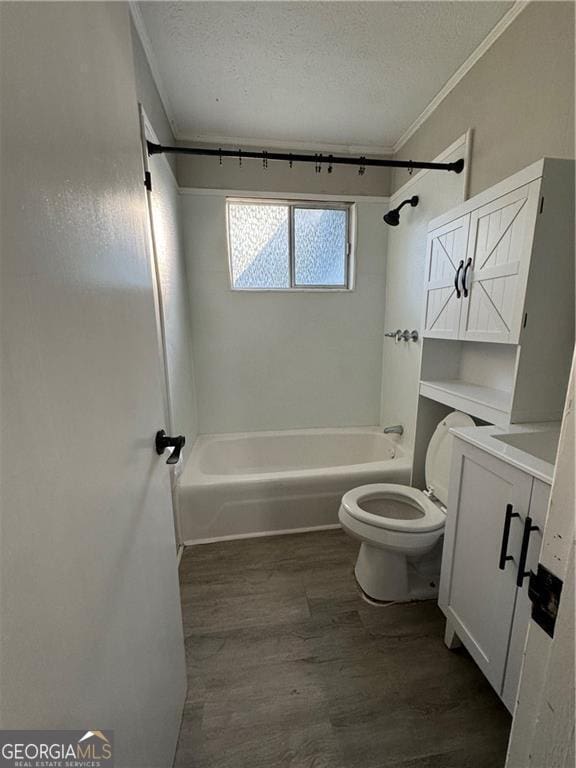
(456, 278)
(465, 288)
(522, 573)
(504, 557)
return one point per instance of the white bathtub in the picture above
(280, 482)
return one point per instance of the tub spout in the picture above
(398, 429)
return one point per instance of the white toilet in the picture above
(401, 528)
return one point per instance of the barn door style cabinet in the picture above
(498, 309)
(493, 535)
(478, 267)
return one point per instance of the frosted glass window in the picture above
(320, 246)
(288, 245)
(259, 254)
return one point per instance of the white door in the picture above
(500, 244)
(476, 595)
(89, 600)
(446, 252)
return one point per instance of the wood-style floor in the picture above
(288, 667)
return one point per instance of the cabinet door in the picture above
(445, 251)
(476, 596)
(500, 245)
(523, 608)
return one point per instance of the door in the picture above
(523, 606)
(89, 599)
(500, 246)
(476, 595)
(446, 252)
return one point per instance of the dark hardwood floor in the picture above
(288, 667)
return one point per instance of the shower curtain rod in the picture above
(319, 158)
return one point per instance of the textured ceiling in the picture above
(350, 73)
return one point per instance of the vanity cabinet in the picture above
(494, 509)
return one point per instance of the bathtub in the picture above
(262, 483)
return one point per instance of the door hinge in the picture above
(541, 203)
(544, 591)
(525, 320)
(148, 180)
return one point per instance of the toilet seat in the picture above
(437, 471)
(400, 531)
(432, 517)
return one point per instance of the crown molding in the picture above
(463, 70)
(304, 146)
(140, 27)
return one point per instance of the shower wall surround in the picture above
(406, 257)
(283, 360)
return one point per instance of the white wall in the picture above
(206, 172)
(283, 360)
(438, 192)
(518, 98)
(148, 94)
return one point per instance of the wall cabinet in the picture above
(477, 269)
(500, 276)
(446, 252)
(493, 510)
(479, 257)
(496, 268)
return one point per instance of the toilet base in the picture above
(387, 576)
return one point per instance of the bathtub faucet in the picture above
(398, 429)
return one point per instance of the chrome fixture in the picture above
(398, 429)
(393, 217)
(400, 335)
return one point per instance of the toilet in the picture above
(401, 528)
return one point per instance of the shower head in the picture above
(393, 217)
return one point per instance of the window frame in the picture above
(292, 204)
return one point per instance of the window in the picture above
(288, 245)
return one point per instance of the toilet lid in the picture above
(439, 454)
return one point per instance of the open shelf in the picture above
(487, 403)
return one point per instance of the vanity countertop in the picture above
(529, 447)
